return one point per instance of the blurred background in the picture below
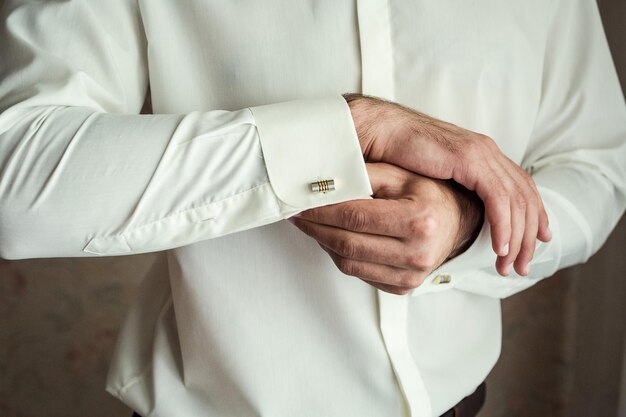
(563, 354)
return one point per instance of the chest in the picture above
(475, 63)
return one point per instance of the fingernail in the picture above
(507, 269)
(526, 270)
(504, 250)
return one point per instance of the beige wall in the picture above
(563, 340)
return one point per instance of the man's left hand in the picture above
(394, 241)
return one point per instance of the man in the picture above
(262, 322)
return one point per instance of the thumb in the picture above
(387, 180)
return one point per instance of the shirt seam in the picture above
(181, 212)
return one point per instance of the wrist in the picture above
(471, 215)
(356, 103)
(368, 116)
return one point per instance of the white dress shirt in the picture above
(260, 322)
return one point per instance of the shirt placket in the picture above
(377, 80)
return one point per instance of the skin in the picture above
(396, 135)
(393, 242)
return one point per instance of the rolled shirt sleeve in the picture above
(84, 174)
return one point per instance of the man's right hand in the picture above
(391, 133)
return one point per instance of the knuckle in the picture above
(482, 138)
(501, 192)
(528, 192)
(353, 218)
(533, 197)
(420, 261)
(528, 183)
(346, 266)
(497, 191)
(526, 188)
(346, 248)
(430, 225)
(303, 226)
(414, 226)
(521, 201)
(424, 226)
(312, 213)
(411, 281)
(479, 142)
(415, 261)
(472, 146)
(532, 201)
(486, 141)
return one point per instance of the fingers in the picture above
(518, 215)
(544, 234)
(384, 262)
(387, 180)
(498, 214)
(386, 278)
(527, 213)
(380, 217)
(530, 199)
(496, 180)
(499, 211)
(373, 249)
(535, 212)
(377, 177)
(527, 249)
(543, 228)
(515, 212)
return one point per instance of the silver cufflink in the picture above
(323, 186)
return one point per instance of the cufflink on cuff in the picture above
(323, 186)
(442, 279)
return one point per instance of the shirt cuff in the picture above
(452, 273)
(474, 270)
(306, 141)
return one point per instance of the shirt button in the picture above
(442, 279)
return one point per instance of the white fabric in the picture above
(260, 323)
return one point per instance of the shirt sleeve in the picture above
(577, 157)
(82, 173)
